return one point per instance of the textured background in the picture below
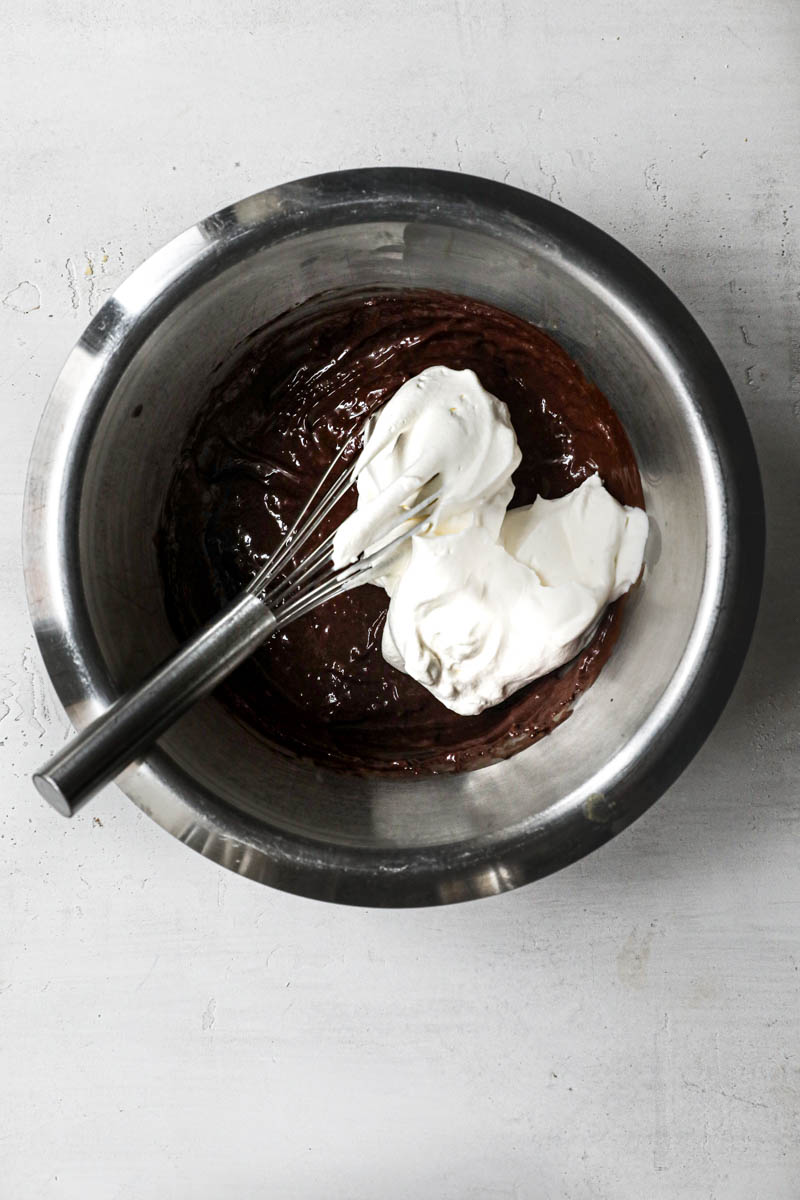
(629, 1028)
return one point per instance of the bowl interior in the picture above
(222, 767)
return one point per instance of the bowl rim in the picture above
(379, 877)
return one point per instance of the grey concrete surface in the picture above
(627, 1029)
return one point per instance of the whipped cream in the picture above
(585, 537)
(441, 431)
(482, 601)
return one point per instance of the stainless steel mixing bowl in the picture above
(123, 403)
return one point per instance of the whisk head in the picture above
(291, 588)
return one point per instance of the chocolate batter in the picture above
(300, 387)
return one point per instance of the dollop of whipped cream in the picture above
(482, 601)
(440, 432)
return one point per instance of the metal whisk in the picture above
(283, 590)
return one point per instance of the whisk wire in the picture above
(299, 533)
(336, 580)
(295, 578)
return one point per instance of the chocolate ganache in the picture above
(276, 415)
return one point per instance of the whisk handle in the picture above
(130, 726)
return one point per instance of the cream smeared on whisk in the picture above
(443, 431)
